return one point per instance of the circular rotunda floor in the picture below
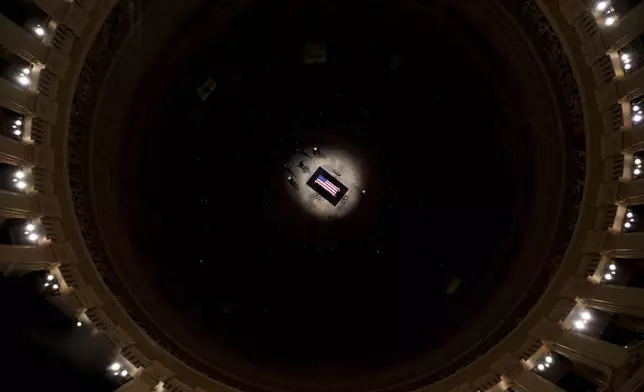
(448, 141)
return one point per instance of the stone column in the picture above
(609, 38)
(117, 338)
(633, 139)
(174, 384)
(26, 253)
(629, 140)
(530, 382)
(14, 153)
(635, 382)
(573, 9)
(77, 299)
(26, 102)
(625, 245)
(15, 98)
(620, 89)
(627, 28)
(630, 322)
(603, 356)
(609, 298)
(631, 192)
(66, 13)
(135, 385)
(25, 258)
(17, 40)
(25, 155)
(463, 388)
(18, 205)
(155, 373)
(617, 299)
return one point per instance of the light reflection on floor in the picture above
(342, 165)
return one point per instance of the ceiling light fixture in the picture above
(601, 6)
(23, 79)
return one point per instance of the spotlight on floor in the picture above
(314, 52)
(293, 183)
(39, 31)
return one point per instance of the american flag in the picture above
(327, 185)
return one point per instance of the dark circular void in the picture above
(422, 109)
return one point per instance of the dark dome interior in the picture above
(367, 289)
(252, 278)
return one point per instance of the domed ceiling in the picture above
(470, 141)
